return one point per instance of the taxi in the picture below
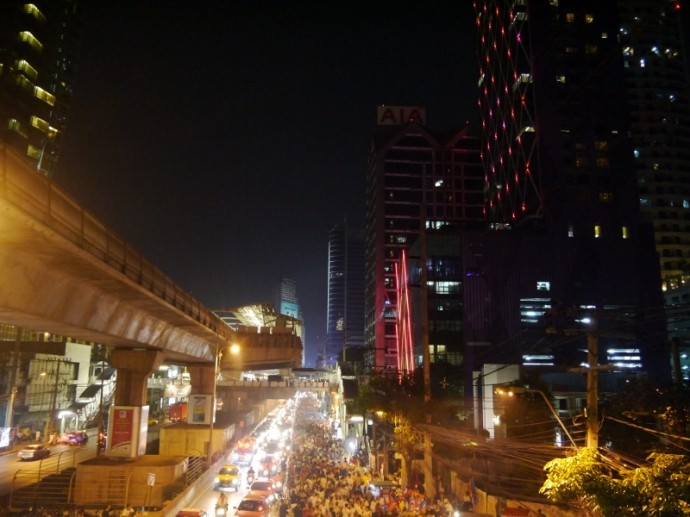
(229, 477)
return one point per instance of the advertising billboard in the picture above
(199, 409)
(127, 431)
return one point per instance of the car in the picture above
(191, 512)
(33, 452)
(268, 466)
(229, 477)
(75, 438)
(252, 506)
(264, 490)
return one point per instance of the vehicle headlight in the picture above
(217, 479)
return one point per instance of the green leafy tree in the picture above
(582, 480)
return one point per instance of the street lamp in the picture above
(516, 390)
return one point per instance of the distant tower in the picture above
(345, 325)
(39, 44)
(287, 303)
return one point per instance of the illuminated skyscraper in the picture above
(560, 178)
(345, 325)
(412, 171)
(39, 44)
(287, 304)
(657, 82)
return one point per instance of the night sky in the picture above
(224, 139)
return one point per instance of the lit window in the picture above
(23, 82)
(601, 145)
(605, 197)
(591, 49)
(33, 152)
(580, 162)
(636, 153)
(35, 12)
(597, 231)
(642, 63)
(14, 125)
(686, 203)
(29, 38)
(570, 17)
(624, 232)
(543, 286)
(589, 18)
(560, 79)
(447, 287)
(571, 231)
(603, 163)
(28, 70)
(40, 123)
(45, 96)
(570, 50)
(553, 2)
(604, 35)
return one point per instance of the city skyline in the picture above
(227, 157)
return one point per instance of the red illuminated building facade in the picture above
(412, 171)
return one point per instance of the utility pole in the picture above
(50, 421)
(9, 413)
(593, 387)
(425, 316)
(100, 411)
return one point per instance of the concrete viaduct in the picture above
(64, 272)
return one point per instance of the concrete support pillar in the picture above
(201, 378)
(133, 369)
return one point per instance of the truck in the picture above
(178, 412)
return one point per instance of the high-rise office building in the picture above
(657, 83)
(287, 304)
(414, 175)
(560, 183)
(39, 45)
(345, 320)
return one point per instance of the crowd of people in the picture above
(323, 482)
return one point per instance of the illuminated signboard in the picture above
(400, 115)
(127, 430)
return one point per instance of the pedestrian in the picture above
(448, 508)
(38, 436)
(106, 511)
(467, 502)
(283, 510)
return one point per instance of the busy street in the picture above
(295, 464)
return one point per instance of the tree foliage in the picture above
(650, 405)
(660, 489)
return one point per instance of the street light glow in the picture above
(511, 391)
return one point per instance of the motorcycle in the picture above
(250, 478)
(221, 510)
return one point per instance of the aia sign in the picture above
(400, 115)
